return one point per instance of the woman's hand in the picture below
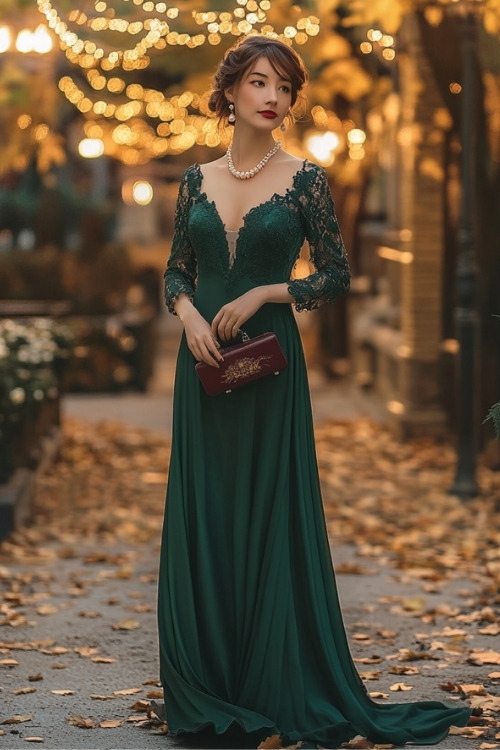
(200, 339)
(232, 316)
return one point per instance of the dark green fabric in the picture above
(250, 627)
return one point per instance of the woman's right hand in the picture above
(200, 339)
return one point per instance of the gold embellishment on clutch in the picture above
(244, 367)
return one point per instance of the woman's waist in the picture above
(268, 317)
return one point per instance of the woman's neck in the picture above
(248, 149)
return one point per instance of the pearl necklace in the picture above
(251, 172)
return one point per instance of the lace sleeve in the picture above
(180, 275)
(332, 276)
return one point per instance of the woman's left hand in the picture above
(232, 316)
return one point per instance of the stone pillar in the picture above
(417, 407)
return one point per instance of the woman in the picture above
(251, 633)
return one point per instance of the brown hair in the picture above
(239, 58)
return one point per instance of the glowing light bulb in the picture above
(5, 38)
(42, 41)
(356, 137)
(91, 148)
(142, 192)
(24, 41)
(322, 146)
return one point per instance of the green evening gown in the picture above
(250, 627)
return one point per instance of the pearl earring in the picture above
(231, 116)
(283, 127)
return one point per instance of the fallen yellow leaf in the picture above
(403, 669)
(155, 694)
(103, 660)
(90, 615)
(473, 689)
(413, 604)
(127, 691)
(86, 651)
(467, 731)
(369, 660)
(400, 687)
(77, 720)
(63, 692)
(110, 723)
(126, 625)
(386, 633)
(97, 697)
(369, 675)
(359, 743)
(23, 691)
(493, 629)
(18, 719)
(449, 687)
(406, 654)
(47, 609)
(270, 743)
(56, 651)
(33, 739)
(484, 657)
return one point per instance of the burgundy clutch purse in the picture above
(249, 360)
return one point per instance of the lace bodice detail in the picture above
(266, 247)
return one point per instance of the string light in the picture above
(377, 40)
(183, 119)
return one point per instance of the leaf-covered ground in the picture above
(418, 571)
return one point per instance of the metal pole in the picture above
(466, 314)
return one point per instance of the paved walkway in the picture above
(94, 663)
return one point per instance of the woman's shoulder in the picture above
(190, 181)
(307, 174)
(314, 170)
(212, 166)
(190, 173)
(303, 164)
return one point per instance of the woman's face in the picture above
(263, 97)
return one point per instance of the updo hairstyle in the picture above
(242, 56)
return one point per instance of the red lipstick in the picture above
(268, 113)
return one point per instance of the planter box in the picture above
(16, 491)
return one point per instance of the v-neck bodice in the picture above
(275, 197)
(211, 259)
(262, 250)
